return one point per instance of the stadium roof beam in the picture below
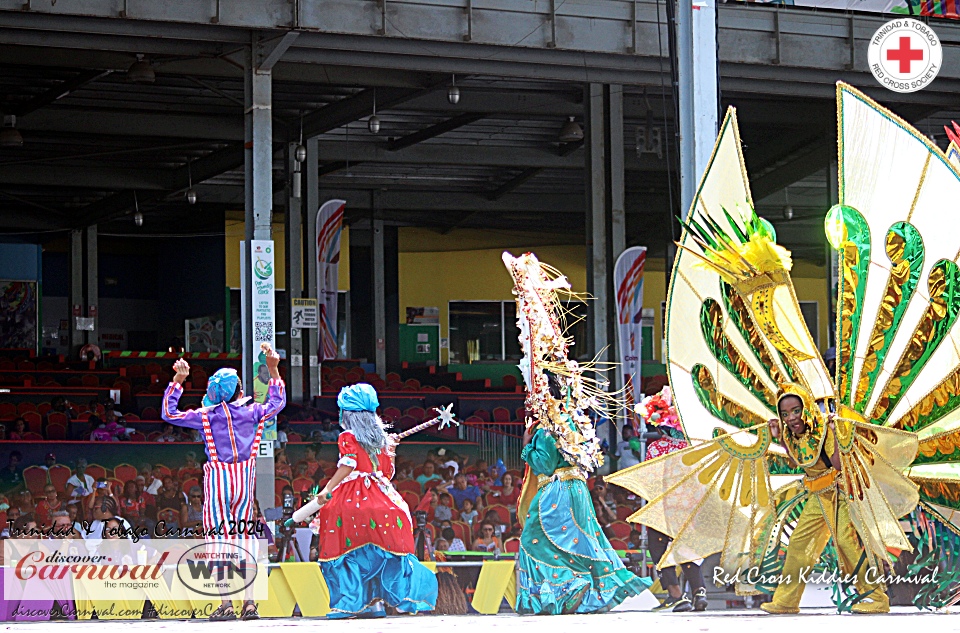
(433, 131)
(231, 157)
(58, 92)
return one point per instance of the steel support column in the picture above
(617, 205)
(311, 171)
(294, 281)
(77, 300)
(93, 288)
(699, 102)
(596, 191)
(379, 298)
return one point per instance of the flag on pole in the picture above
(329, 226)
(628, 280)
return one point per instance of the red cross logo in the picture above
(905, 55)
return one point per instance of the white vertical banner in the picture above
(628, 281)
(329, 227)
(264, 320)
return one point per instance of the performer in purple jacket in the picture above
(232, 427)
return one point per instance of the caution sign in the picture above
(304, 313)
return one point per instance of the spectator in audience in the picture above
(281, 466)
(110, 414)
(636, 539)
(133, 507)
(73, 511)
(508, 493)
(429, 474)
(444, 510)
(460, 491)
(106, 523)
(281, 442)
(441, 545)
(487, 540)
(456, 545)
(329, 431)
(191, 515)
(49, 461)
(62, 525)
(80, 483)
(492, 516)
(18, 428)
(11, 476)
(170, 501)
(12, 515)
(48, 505)
(23, 527)
(311, 460)
(605, 515)
(468, 514)
(150, 502)
(156, 481)
(404, 471)
(62, 405)
(191, 469)
(26, 503)
(628, 451)
(101, 490)
(168, 433)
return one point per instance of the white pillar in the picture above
(697, 76)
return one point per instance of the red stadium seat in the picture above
(512, 545)
(483, 414)
(412, 498)
(407, 485)
(417, 413)
(35, 478)
(89, 380)
(26, 407)
(623, 512)
(55, 417)
(149, 413)
(125, 472)
(59, 474)
(96, 471)
(509, 382)
(8, 410)
(504, 513)
(56, 431)
(36, 437)
(501, 414)
(616, 543)
(391, 413)
(137, 436)
(279, 483)
(620, 529)
(44, 408)
(34, 421)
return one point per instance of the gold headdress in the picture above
(540, 290)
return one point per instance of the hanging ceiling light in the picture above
(571, 132)
(300, 153)
(191, 193)
(787, 209)
(373, 123)
(141, 72)
(453, 93)
(9, 135)
(137, 216)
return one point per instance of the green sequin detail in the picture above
(339, 522)
(373, 524)
(399, 522)
(348, 542)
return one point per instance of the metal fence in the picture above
(494, 441)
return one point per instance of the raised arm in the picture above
(171, 399)
(276, 390)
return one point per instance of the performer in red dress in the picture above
(365, 528)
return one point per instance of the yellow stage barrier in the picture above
(497, 581)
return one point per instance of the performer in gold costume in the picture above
(864, 445)
(826, 515)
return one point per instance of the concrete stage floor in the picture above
(721, 621)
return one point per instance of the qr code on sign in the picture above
(263, 331)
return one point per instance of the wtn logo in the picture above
(216, 570)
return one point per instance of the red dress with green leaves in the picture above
(365, 508)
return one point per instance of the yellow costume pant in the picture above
(820, 519)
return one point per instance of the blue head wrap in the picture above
(221, 386)
(359, 397)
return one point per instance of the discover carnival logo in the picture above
(905, 55)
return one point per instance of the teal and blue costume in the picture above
(565, 563)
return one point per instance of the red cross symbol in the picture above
(905, 55)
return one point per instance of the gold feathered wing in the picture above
(712, 497)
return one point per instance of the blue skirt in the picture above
(362, 577)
